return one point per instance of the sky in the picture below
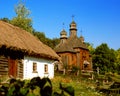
(99, 20)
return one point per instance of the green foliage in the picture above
(104, 58)
(82, 86)
(21, 10)
(111, 84)
(35, 87)
(55, 42)
(24, 23)
(118, 56)
(117, 61)
(5, 20)
(75, 69)
(90, 47)
(50, 42)
(68, 89)
(22, 20)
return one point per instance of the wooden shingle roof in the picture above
(70, 44)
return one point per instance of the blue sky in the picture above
(98, 19)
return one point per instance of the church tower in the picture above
(63, 36)
(81, 37)
(73, 29)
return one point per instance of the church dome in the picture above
(73, 22)
(63, 32)
(73, 29)
(73, 25)
(82, 38)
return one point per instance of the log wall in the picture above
(20, 69)
(4, 67)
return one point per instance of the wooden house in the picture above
(24, 56)
(73, 50)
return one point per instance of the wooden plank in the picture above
(20, 69)
(3, 65)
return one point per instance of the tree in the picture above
(104, 58)
(55, 42)
(22, 20)
(117, 62)
(40, 35)
(5, 19)
(90, 47)
(50, 42)
(118, 56)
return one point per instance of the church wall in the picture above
(85, 56)
(68, 58)
(76, 59)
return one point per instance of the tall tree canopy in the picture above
(118, 56)
(117, 62)
(104, 58)
(22, 19)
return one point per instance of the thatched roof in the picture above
(70, 44)
(15, 38)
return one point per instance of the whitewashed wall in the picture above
(28, 67)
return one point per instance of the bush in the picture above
(35, 87)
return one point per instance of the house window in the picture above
(46, 68)
(34, 67)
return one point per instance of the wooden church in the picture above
(73, 51)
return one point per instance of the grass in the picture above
(82, 86)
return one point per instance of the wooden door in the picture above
(12, 67)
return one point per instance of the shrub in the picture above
(35, 87)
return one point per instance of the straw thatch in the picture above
(14, 38)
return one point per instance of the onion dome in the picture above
(82, 38)
(63, 34)
(73, 25)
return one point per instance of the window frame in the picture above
(46, 68)
(34, 67)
